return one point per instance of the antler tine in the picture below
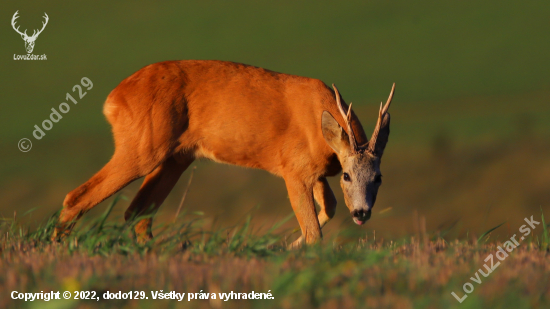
(347, 119)
(382, 112)
(43, 25)
(15, 16)
(340, 108)
(388, 102)
(374, 137)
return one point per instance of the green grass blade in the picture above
(108, 211)
(489, 231)
(545, 236)
(30, 211)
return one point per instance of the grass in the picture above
(486, 234)
(100, 237)
(348, 271)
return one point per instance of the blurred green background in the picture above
(470, 120)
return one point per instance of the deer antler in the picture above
(43, 26)
(381, 114)
(347, 119)
(13, 24)
(34, 33)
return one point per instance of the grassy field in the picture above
(471, 79)
(345, 271)
(468, 151)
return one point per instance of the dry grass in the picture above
(348, 272)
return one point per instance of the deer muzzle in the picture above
(360, 216)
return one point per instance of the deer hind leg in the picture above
(301, 198)
(327, 202)
(154, 190)
(125, 166)
(115, 175)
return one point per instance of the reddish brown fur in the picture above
(167, 114)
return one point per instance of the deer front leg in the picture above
(326, 200)
(301, 198)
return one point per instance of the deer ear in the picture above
(333, 133)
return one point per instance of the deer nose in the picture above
(360, 213)
(360, 216)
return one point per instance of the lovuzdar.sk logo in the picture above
(29, 40)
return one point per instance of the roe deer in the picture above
(168, 114)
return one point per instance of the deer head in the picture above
(29, 40)
(361, 176)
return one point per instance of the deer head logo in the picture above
(29, 40)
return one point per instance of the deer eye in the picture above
(346, 177)
(378, 179)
